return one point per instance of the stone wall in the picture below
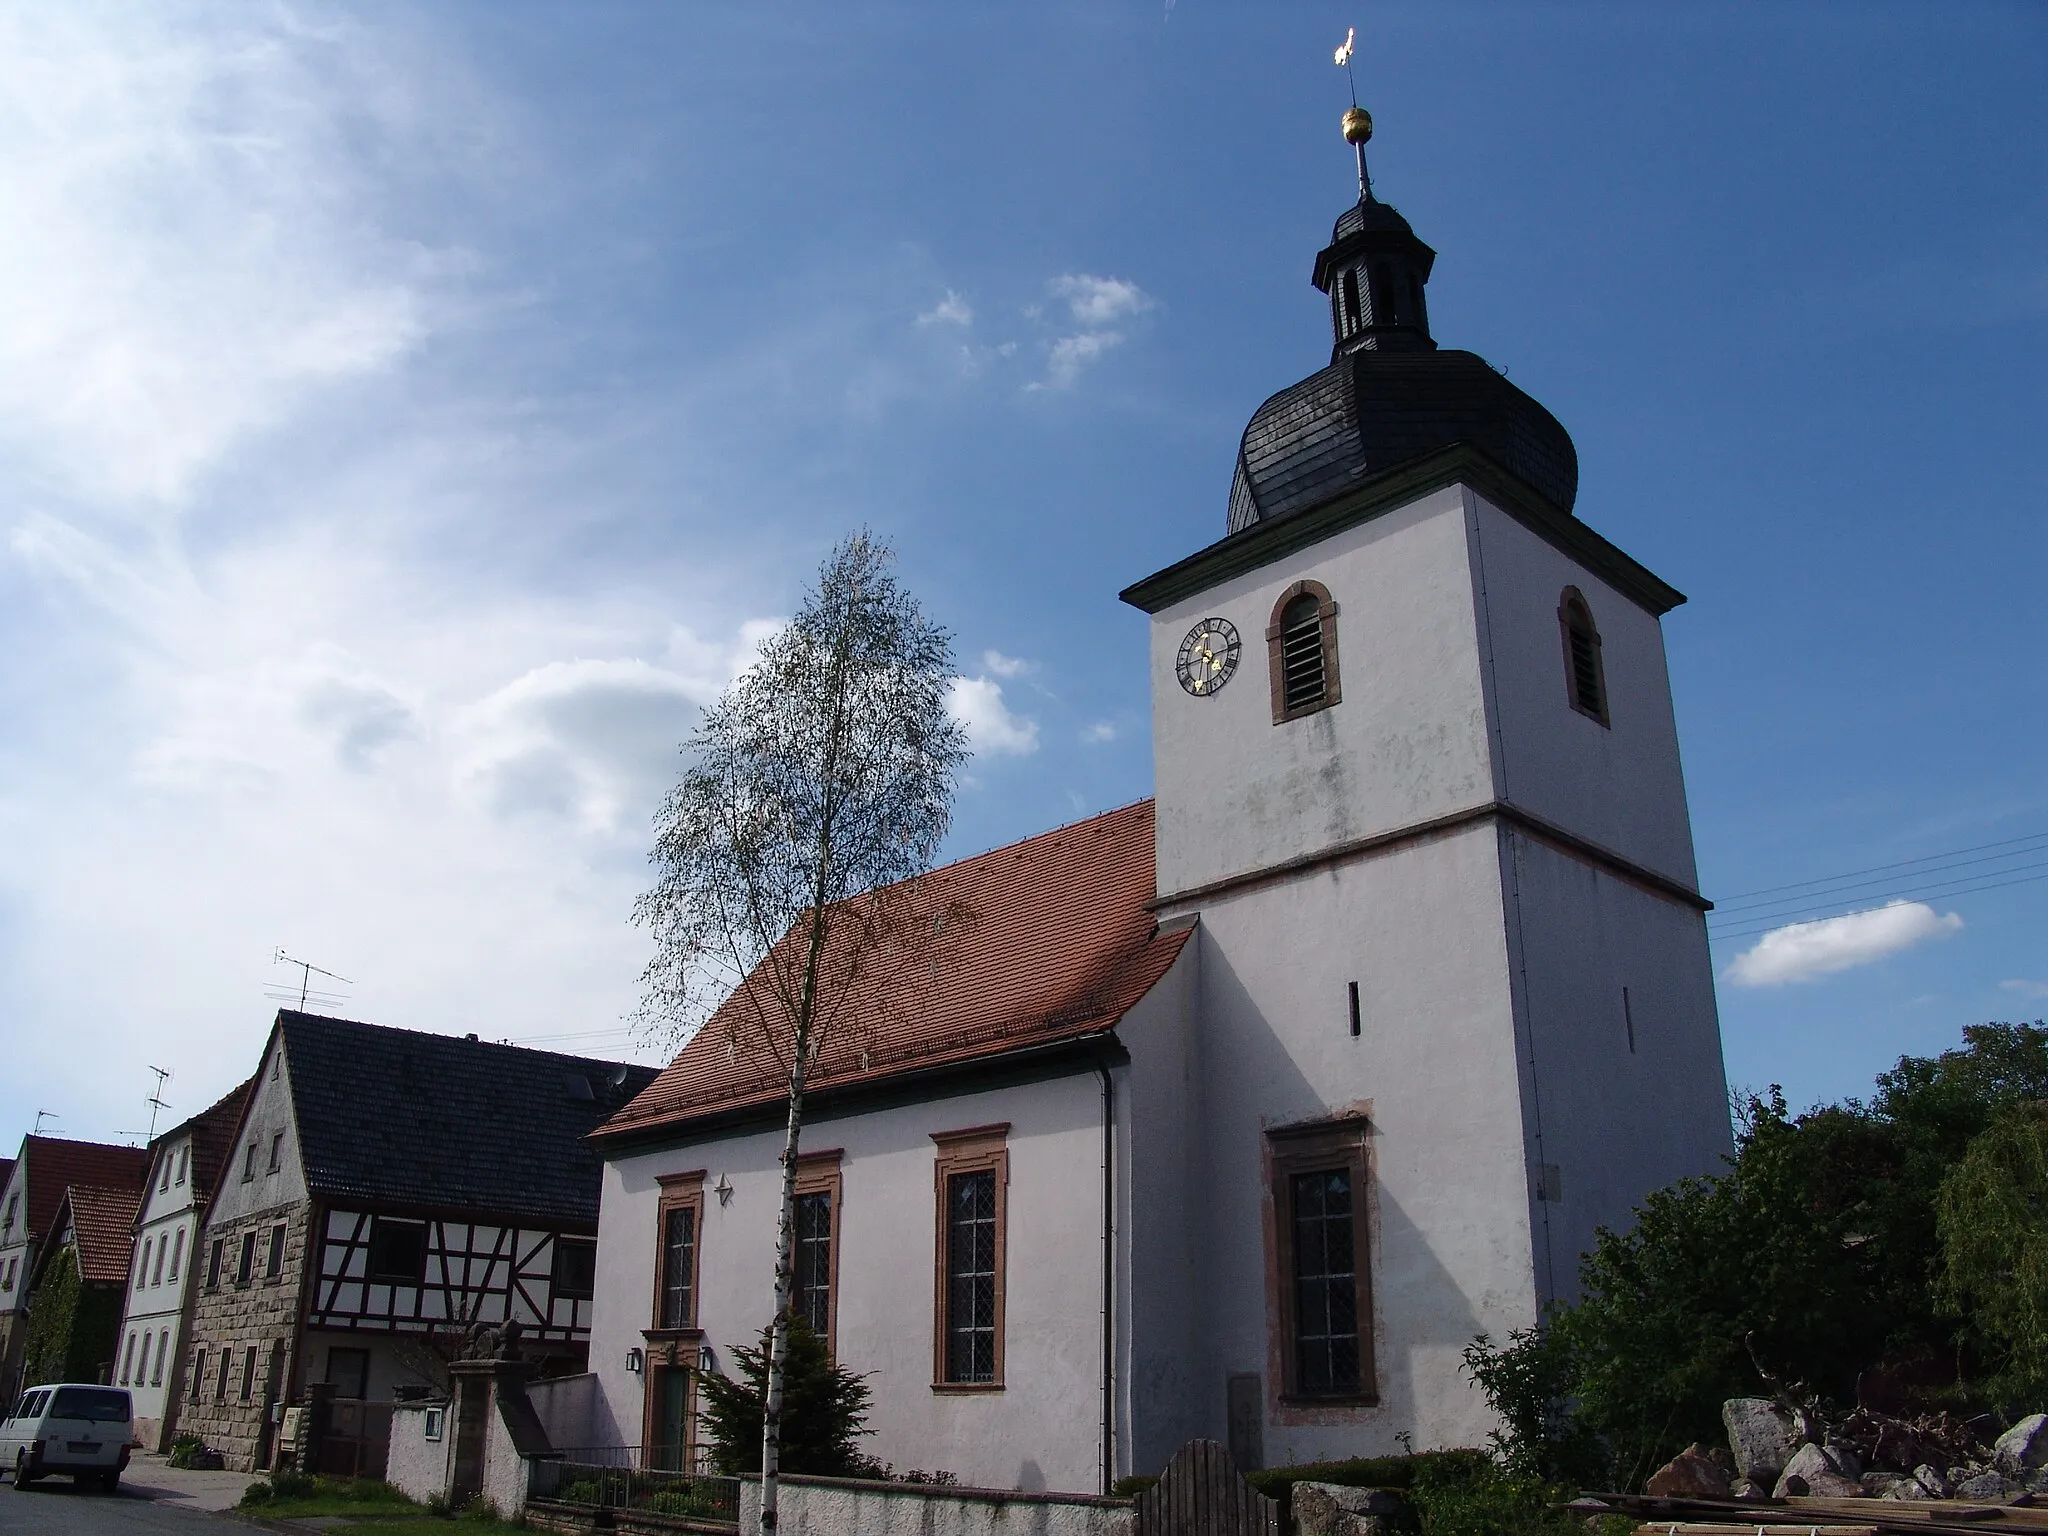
(263, 1313)
(816, 1506)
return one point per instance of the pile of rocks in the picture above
(1867, 1456)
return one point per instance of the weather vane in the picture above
(1357, 121)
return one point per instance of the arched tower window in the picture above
(1382, 296)
(1585, 678)
(1301, 651)
(1347, 295)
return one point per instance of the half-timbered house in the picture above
(386, 1192)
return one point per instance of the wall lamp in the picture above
(636, 1362)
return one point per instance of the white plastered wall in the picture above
(157, 1298)
(1043, 1430)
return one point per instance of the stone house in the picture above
(185, 1163)
(1238, 1112)
(385, 1191)
(30, 1195)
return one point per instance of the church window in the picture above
(682, 1222)
(973, 1175)
(1301, 651)
(1347, 297)
(1382, 296)
(398, 1252)
(575, 1269)
(1318, 1279)
(817, 1248)
(1585, 677)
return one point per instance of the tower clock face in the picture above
(1208, 657)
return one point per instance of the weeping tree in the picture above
(822, 778)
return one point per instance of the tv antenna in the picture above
(41, 1116)
(156, 1098)
(307, 991)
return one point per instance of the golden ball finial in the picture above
(1357, 125)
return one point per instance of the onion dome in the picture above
(1390, 395)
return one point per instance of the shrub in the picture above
(185, 1450)
(824, 1410)
(682, 1501)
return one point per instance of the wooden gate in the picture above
(1201, 1493)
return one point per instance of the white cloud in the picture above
(950, 310)
(1803, 951)
(1099, 732)
(2026, 989)
(188, 252)
(1097, 301)
(1006, 666)
(1070, 354)
(977, 703)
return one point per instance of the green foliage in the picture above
(585, 1490)
(1822, 1241)
(824, 1410)
(684, 1501)
(1473, 1495)
(294, 1494)
(1400, 1473)
(73, 1328)
(1993, 1222)
(185, 1451)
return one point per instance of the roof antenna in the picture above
(1357, 121)
(156, 1098)
(41, 1116)
(307, 972)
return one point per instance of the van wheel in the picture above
(21, 1473)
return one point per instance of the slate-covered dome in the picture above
(1389, 395)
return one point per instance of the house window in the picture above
(248, 1373)
(275, 1267)
(1585, 676)
(1301, 651)
(213, 1264)
(276, 1149)
(142, 1268)
(163, 1348)
(681, 1218)
(249, 1162)
(972, 1175)
(177, 1254)
(436, 1420)
(1320, 1282)
(227, 1364)
(198, 1387)
(575, 1272)
(156, 1276)
(246, 1270)
(183, 1154)
(817, 1246)
(166, 1183)
(398, 1252)
(349, 1370)
(12, 1202)
(128, 1359)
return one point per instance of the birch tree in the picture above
(823, 777)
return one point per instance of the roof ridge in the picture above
(1065, 826)
(462, 1039)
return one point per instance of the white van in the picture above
(81, 1431)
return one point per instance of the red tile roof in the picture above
(104, 1220)
(55, 1164)
(1059, 943)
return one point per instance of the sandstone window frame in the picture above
(245, 1266)
(273, 1264)
(817, 1173)
(1585, 669)
(1343, 1142)
(197, 1388)
(1278, 628)
(680, 1192)
(674, 1341)
(972, 1150)
(215, 1259)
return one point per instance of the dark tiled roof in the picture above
(1371, 412)
(1057, 943)
(55, 1164)
(398, 1117)
(104, 1220)
(213, 1136)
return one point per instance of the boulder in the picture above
(1931, 1479)
(1330, 1509)
(1761, 1435)
(1910, 1488)
(1987, 1488)
(1749, 1492)
(1824, 1472)
(2023, 1448)
(1691, 1474)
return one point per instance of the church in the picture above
(1239, 1112)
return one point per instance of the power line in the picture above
(2031, 837)
(1818, 914)
(1841, 883)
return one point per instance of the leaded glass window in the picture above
(971, 1276)
(1325, 1284)
(814, 1261)
(678, 1266)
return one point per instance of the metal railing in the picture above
(611, 1477)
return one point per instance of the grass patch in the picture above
(287, 1496)
(447, 1525)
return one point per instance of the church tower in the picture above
(1418, 791)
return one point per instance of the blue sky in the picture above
(409, 416)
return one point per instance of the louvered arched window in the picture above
(1301, 651)
(1585, 677)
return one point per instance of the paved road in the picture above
(55, 1508)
